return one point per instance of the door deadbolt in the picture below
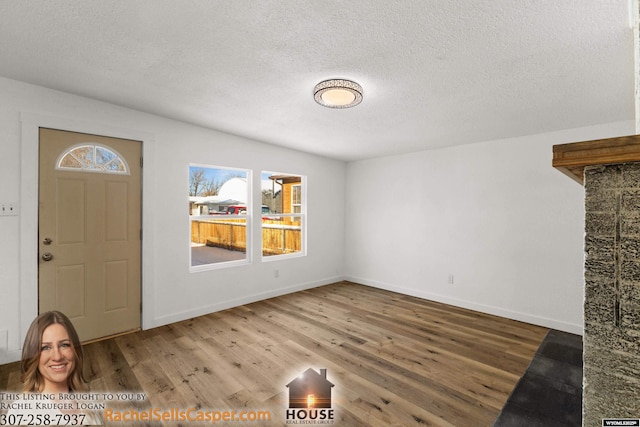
(46, 241)
(47, 256)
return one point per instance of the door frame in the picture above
(30, 125)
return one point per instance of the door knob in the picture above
(46, 241)
(47, 256)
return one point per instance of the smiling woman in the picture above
(52, 355)
(52, 362)
(57, 359)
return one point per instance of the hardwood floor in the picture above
(394, 359)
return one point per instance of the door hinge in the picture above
(141, 161)
(141, 234)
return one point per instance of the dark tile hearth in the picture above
(550, 391)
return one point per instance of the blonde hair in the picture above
(31, 377)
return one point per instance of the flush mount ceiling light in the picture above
(338, 93)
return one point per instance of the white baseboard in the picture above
(15, 355)
(219, 306)
(496, 311)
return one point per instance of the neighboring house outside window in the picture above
(296, 198)
(284, 228)
(219, 213)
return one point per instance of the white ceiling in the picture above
(435, 72)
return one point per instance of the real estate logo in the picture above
(634, 422)
(310, 399)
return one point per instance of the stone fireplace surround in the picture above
(609, 169)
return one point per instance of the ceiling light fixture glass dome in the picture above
(338, 93)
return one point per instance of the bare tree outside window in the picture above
(284, 222)
(218, 212)
(200, 185)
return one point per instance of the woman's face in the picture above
(56, 358)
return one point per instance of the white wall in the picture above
(496, 215)
(170, 292)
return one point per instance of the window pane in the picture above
(219, 213)
(70, 162)
(296, 195)
(218, 240)
(104, 156)
(283, 214)
(108, 160)
(92, 158)
(84, 155)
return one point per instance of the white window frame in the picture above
(248, 223)
(302, 215)
(94, 146)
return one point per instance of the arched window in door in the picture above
(89, 157)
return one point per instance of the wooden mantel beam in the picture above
(572, 158)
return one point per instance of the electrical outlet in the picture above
(276, 273)
(450, 280)
(8, 209)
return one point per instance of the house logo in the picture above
(310, 399)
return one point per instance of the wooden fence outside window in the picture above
(278, 237)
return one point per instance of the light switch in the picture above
(8, 209)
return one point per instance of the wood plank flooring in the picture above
(395, 360)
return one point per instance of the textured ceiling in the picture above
(435, 73)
